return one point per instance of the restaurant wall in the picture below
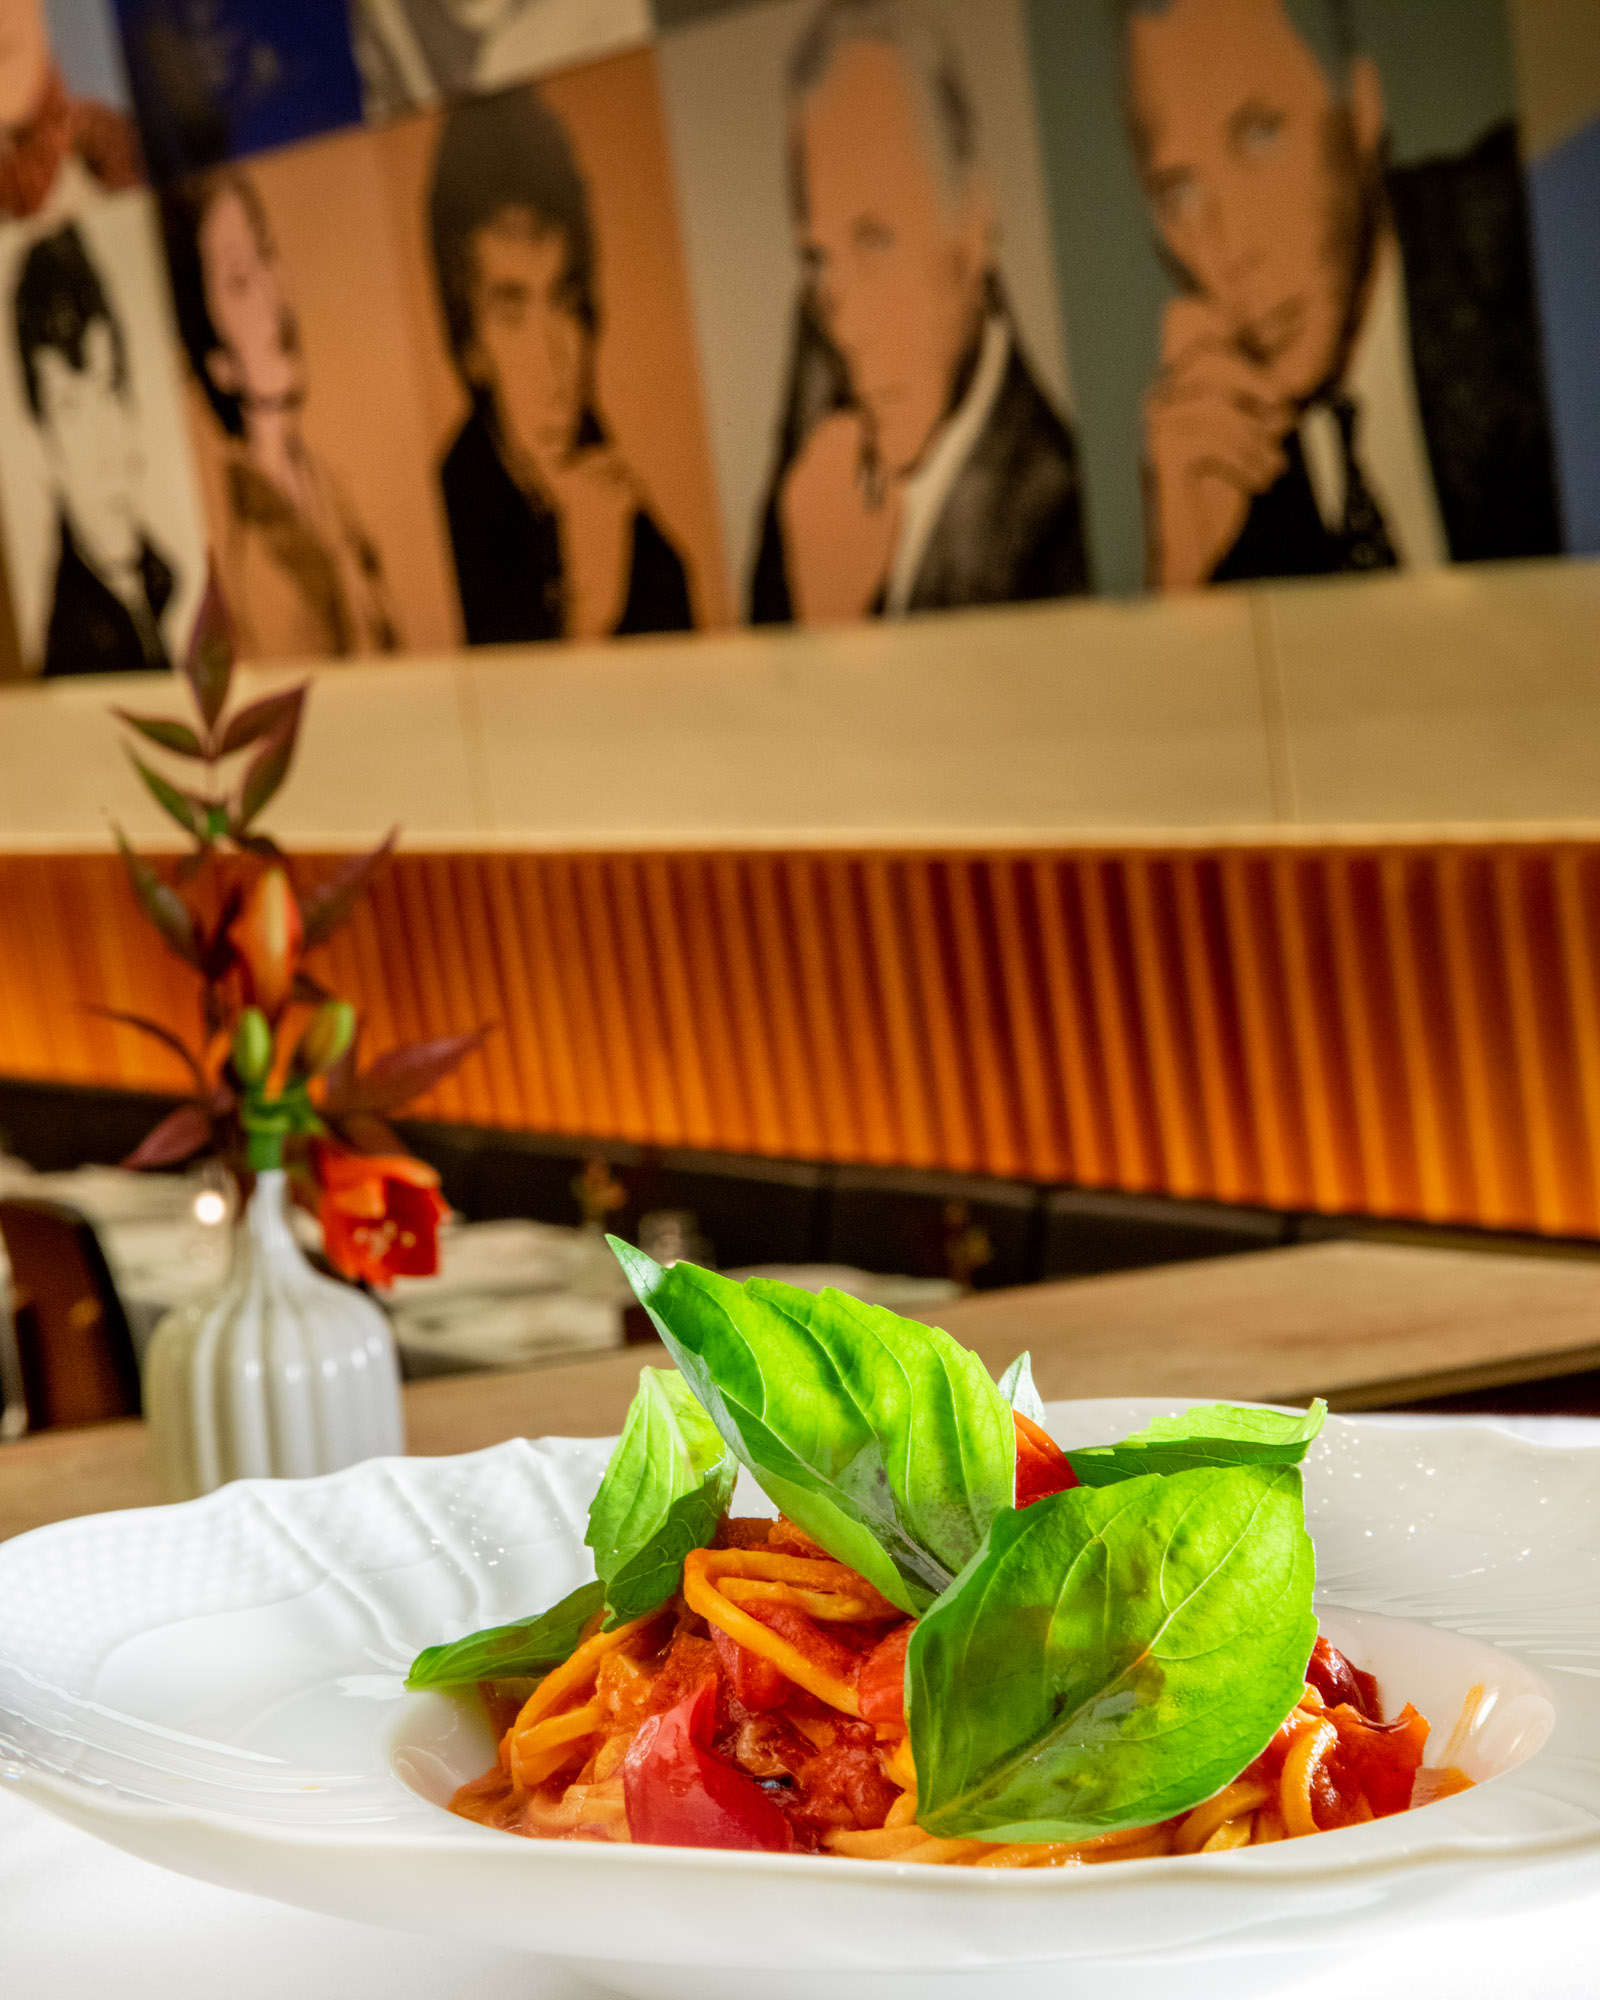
(1276, 890)
(741, 417)
(1385, 1029)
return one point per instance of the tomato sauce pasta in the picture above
(763, 1706)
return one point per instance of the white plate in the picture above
(217, 1687)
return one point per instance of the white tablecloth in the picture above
(79, 1921)
(507, 1293)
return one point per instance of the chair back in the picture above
(74, 1350)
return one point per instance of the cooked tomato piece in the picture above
(841, 1784)
(881, 1679)
(742, 1531)
(1377, 1761)
(753, 1682)
(789, 1540)
(1042, 1466)
(679, 1793)
(1333, 1677)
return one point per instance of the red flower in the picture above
(266, 937)
(380, 1214)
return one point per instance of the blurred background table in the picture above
(510, 1292)
(1366, 1325)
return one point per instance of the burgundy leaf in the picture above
(165, 908)
(329, 905)
(179, 1136)
(263, 718)
(341, 1078)
(266, 773)
(258, 843)
(185, 807)
(208, 664)
(216, 951)
(402, 1074)
(158, 1033)
(366, 1132)
(175, 736)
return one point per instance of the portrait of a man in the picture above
(551, 529)
(303, 576)
(54, 145)
(1350, 374)
(412, 52)
(920, 464)
(112, 582)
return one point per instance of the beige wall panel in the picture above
(1444, 705)
(1097, 715)
(1468, 694)
(385, 743)
(64, 776)
(382, 743)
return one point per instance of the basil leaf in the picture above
(1112, 1656)
(532, 1646)
(665, 1488)
(1212, 1434)
(881, 1437)
(1017, 1386)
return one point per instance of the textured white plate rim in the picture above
(64, 1794)
(1338, 1856)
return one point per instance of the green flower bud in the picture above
(252, 1048)
(328, 1034)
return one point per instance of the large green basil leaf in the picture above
(882, 1438)
(1112, 1655)
(1212, 1434)
(664, 1489)
(528, 1648)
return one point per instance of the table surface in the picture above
(1362, 1324)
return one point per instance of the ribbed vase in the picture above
(279, 1373)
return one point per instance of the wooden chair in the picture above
(74, 1350)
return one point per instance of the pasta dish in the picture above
(1122, 1663)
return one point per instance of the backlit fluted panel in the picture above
(1401, 1031)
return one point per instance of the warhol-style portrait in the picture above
(867, 229)
(57, 144)
(113, 579)
(413, 51)
(304, 577)
(553, 531)
(920, 465)
(1349, 372)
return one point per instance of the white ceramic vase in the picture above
(279, 1373)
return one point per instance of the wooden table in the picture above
(1362, 1324)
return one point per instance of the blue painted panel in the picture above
(218, 79)
(1565, 187)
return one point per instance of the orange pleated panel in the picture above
(1400, 1031)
